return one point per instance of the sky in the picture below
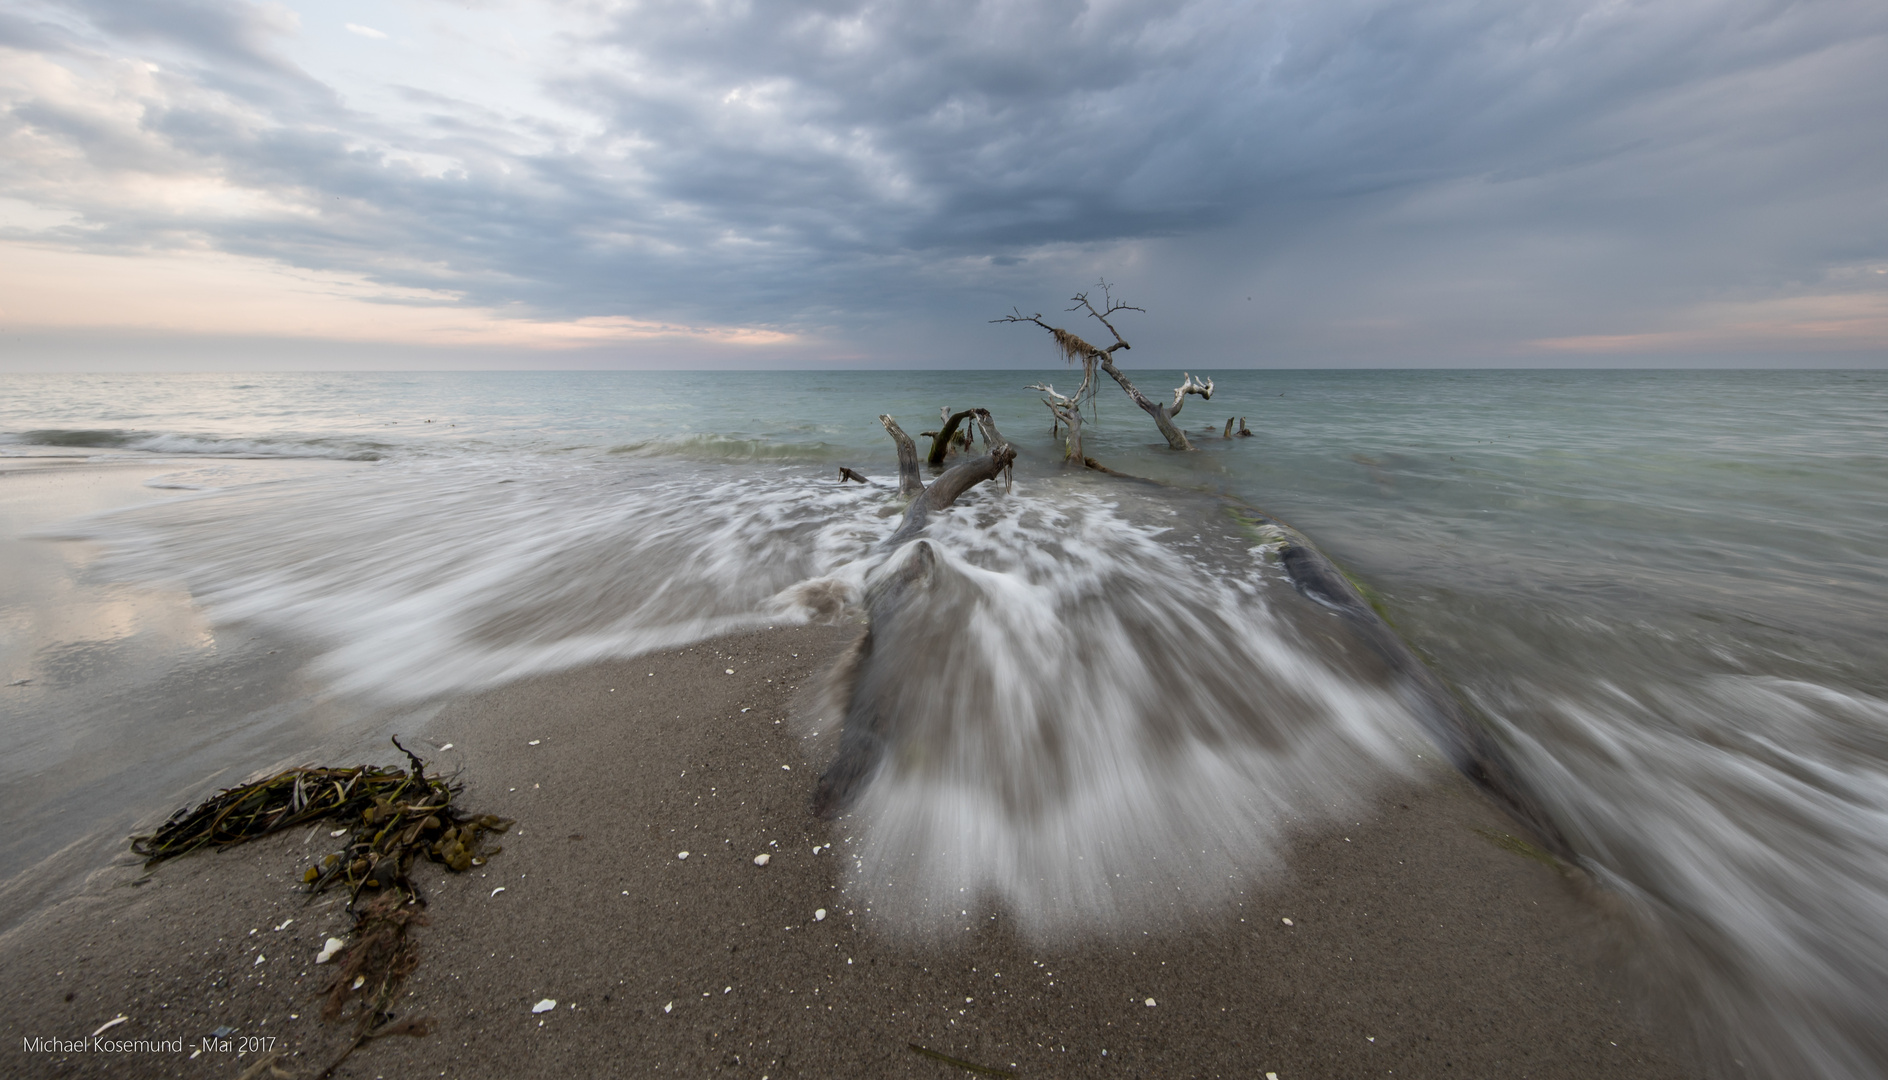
(228, 184)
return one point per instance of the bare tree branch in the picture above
(1190, 386)
(1109, 305)
(846, 474)
(1163, 419)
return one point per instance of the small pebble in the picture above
(334, 945)
(820, 915)
(259, 959)
(761, 859)
(534, 742)
(730, 671)
(1287, 922)
(1150, 1003)
(544, 1006)
(681, 854)
(669, 1006)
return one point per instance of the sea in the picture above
(1664, 593)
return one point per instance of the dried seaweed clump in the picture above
(396, 816)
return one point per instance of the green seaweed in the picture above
(1514, 845)
(396, 816)
(967, 1066)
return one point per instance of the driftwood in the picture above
(1464, 741)
(908, 482)
(1243, 432)
(854, 475)
(863, 738)
(1067, 412)
(1092, 358)
(869, 726)
(943, 438)
(956, 480)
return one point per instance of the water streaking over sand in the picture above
(1106, 709)
(1097, 724)
(1664, 591)
(433, 578)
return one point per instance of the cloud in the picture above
(365, 31)
(1386, 177)
(207, 294)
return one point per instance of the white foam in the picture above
(1748, 817)
(1094, 730)
(425, 579)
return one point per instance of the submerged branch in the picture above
(941, 441)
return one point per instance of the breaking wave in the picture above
(158, 442)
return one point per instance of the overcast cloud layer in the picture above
(816, 183)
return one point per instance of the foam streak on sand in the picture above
(1093, 726)
(1100, 717)
(430, 579)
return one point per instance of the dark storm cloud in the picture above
(829, 162)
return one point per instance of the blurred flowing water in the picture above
(1665, 591)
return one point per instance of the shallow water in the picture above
(1664, 590)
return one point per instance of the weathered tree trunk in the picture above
(1067, 413)
(866, 731)
(946, 489)
(862, 740)
(1163, 414)
(908, 482)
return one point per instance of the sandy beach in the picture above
(1416, 946)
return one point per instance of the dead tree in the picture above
(1067, 412)
(955, 480)
(1074, 348)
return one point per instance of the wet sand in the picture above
(1418, 947)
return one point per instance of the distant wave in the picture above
(166, 442)
(709, 447)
